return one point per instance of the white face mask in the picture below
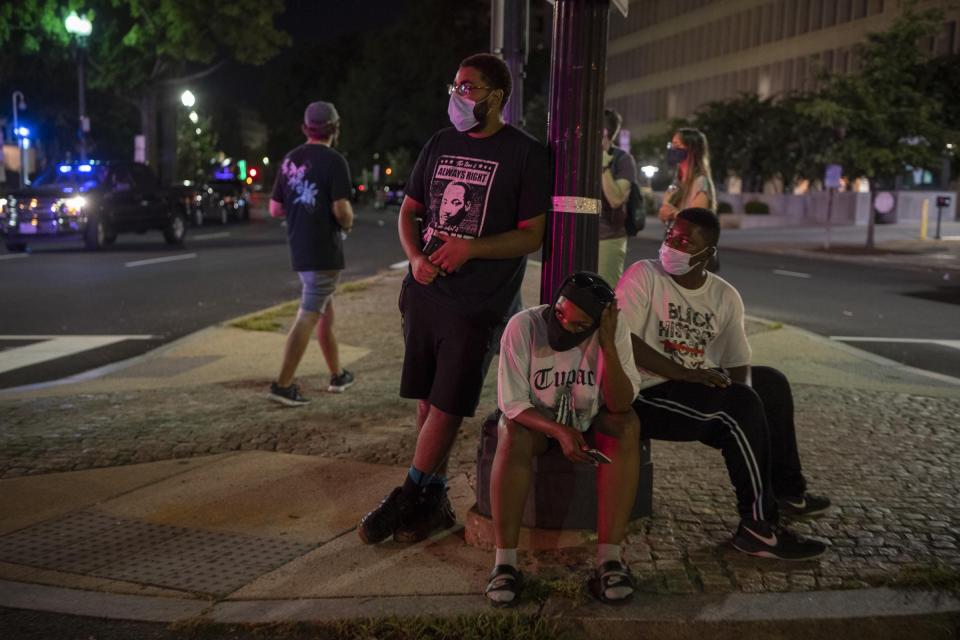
(676, 262)
(461, 113)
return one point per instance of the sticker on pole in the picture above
(832, 176)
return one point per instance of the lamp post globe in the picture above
(188, 99)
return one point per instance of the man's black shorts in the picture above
(444, 359)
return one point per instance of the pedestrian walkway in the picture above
(170, 489)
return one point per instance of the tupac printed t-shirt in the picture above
(477, 187)
(567, 384)
(310, 178)
(698, 328)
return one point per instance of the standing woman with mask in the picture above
(693, 187)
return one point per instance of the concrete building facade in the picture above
(670, 57)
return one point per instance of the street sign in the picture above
(833, 176)
(884, 202)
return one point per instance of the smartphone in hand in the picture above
(598, 456)
(431, 246)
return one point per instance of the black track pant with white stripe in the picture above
(752, 425)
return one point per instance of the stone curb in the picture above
(672, 616)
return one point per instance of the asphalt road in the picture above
(142, 287)
(145, 289)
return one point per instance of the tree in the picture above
(891, 121)
(394, 94)
(142, 50)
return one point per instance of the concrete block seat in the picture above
(563, 495)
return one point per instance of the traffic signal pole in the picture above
(578, 71)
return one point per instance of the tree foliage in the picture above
(888, 111)
(140, 50)
(899, 110)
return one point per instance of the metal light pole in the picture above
(509, 37)
(19, 105)
(80, 27)
(578, 71)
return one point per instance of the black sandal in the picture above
(611, 575)
(507, 579)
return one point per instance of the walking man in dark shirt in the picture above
(312, 192)
(476, 205)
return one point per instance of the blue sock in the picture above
(415, 482)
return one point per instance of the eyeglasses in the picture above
(464, 89)
(594, 283)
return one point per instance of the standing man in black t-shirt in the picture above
(313, 193)
(476, 205)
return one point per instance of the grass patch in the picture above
(272, 319)
(492, 626)
(537, 590)
(353, 287)
(268, 319)
(929, 578)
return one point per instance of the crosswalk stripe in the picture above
(53, 347)
(953, 344)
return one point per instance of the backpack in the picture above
(636, 216)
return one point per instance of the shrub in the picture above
(756, 207)
(724, 207)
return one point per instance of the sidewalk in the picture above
(170, 489)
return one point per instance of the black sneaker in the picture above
(379, 524)
(764, 540)
(289, 396)
(433, 513)
(805, 506)
(340, 383)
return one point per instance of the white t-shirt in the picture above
(697, 328)
(532, 374)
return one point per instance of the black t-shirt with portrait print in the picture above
(473, 188)
(310, 179)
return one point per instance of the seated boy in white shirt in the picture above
(565, 368)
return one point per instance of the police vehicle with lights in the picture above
(93, 201)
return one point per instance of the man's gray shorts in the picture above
(318, 288)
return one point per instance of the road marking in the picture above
(14, 256)
(953, 344)
(53, 347)
(211, 236)
(140, 263)
(791, 274)
(400, 265)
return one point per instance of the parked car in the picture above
(223, 201)
(94, 202)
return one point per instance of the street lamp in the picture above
(188, 99)
(20, 105)
(81, 27)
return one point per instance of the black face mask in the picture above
(676, 156)
(559, 338)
